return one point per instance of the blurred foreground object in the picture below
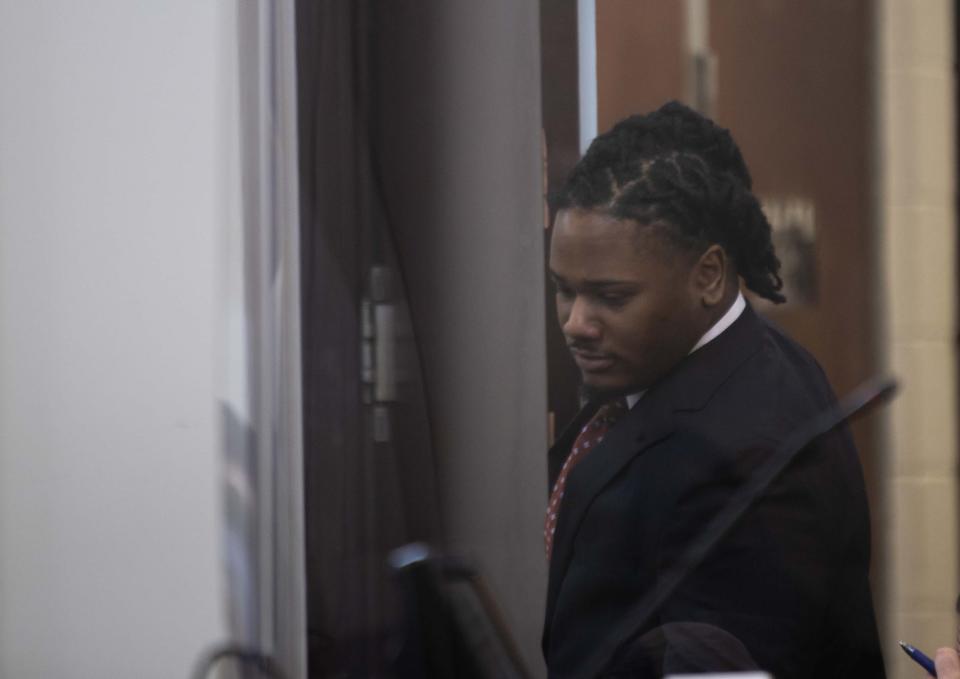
(452, 627)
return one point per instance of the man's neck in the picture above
(726, 319)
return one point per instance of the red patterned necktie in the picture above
(588, 439)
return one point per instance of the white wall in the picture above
(111, 202)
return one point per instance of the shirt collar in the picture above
(732, 314)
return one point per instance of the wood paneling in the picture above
(639, 57)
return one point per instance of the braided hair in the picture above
(679, 170)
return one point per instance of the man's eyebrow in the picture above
(607, 284)
(595, 284)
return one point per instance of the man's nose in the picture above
(580, 323)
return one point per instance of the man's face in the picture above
(625, 300)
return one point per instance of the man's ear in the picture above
(710, 275)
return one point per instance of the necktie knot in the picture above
(611, 411)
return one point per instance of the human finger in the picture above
(947, 663)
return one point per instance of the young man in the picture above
(691, 390)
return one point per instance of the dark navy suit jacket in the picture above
(789, 583)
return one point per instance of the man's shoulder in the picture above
(776, 388)
(787, 368)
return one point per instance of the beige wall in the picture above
(916, 222)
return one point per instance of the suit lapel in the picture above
(561, 447)
(646, 424)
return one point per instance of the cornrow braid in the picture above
(677, 168)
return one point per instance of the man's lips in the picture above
(591, 361)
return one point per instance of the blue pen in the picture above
(918, 657)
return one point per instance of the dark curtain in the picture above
(370, 477)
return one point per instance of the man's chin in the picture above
(593, 389)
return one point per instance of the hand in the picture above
(948, 664)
